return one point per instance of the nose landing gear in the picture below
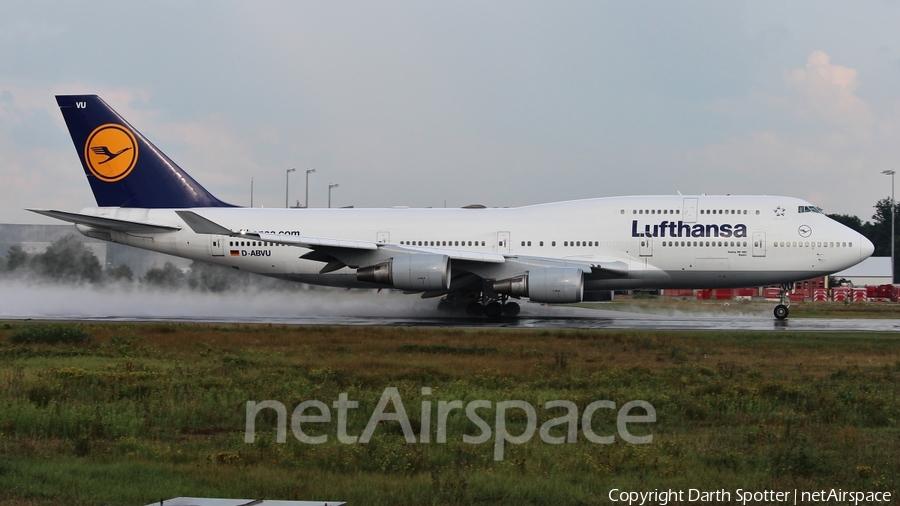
(782, 310)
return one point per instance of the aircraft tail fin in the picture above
(123, 167)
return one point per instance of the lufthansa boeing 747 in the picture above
(561, 252)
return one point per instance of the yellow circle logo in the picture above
(111, 151)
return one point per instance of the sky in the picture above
(427, 104)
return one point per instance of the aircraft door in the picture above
(689, 213)
(646, 246)
(759, 244)
(503, 245)
(382, 237)
(217, 245)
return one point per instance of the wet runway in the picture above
(533, 317)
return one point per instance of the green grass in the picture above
(143, 412)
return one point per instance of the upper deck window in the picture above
(809, 209)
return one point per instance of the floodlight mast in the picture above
(330, 186)
(306, 201)
(286, 180)
(891, 173)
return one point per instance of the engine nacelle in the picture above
(424, 272)
(554, 284)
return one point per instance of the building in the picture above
(873, 271)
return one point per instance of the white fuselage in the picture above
(665, 241)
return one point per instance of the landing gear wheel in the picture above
(511, 309)
(474, 309)
(781, 311)
(493, 309)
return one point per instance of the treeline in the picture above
(69, 261)
(878, 230)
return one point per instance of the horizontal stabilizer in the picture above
(106, 223)
(201, 225)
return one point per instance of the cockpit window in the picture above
(809, 209)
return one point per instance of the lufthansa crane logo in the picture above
(804, 231)
(111, 152)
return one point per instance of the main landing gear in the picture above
(782, 309)
(492, 308)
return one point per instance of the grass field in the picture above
(131, 414)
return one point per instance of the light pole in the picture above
(251, 192)
(286, 175)
(330, 186)
(891, 173)
(306, 202)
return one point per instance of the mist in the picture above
(21, 299)
(67, 281)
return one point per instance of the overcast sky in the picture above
(500, 103)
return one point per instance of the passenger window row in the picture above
(441, 243)
(476, 243)
(655, 211)
(253, 243)
(703, 243)
(812, 244)
(724, 211)
(678, 211)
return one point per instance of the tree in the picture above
(880, 234)
(880, 230)
(120, 273)
(167, 276)
(207, 277)
(68, 260)
(16, 257)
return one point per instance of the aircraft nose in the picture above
(866, 248)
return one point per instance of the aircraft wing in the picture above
(106, 223)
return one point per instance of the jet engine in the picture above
(553, 284)
(422, 272)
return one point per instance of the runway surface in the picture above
(532, 317)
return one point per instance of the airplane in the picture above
(483, 258)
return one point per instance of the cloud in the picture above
(829, 148)
(828, 93)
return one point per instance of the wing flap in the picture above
(454, 254)
(101, 222)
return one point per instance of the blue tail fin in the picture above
(123, 167)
